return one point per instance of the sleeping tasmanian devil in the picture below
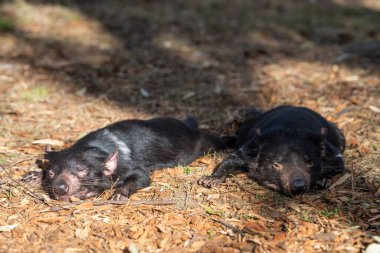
(122, 155)
(288, 149)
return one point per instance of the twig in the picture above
(233, 228)
(186, 199)
(114, 202)
(32, 194)
(134, 203)
(340, 181)
(374, 218)
(352, 179)
(100, 236)
(253, 232)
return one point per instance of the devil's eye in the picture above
(51, 173)
(308, 160)
(277, 166)
(81, 168)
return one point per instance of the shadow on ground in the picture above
(181, 57)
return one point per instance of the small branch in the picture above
(134, 203)
(233, 228)
(374, 218)
(186, 199)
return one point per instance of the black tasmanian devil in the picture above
(288, 149)
(122, 155)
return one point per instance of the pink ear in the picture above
(111, 164)
(258, 131)
(323, 131)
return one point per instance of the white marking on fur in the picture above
(121, 146)
(339, 155)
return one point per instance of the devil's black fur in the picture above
(122, 155)
(289, 149)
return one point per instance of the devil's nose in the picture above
(298, 186)
(61, 188)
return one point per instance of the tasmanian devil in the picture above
(288, 149)
(122, 155)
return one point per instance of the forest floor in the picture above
(70, 67)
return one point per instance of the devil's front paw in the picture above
(120, 194)
(32, 177)
(210, 181)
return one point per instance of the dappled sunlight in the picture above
(260, 38)
(272, 37)
(291, 76)
(60, 23)
(70, 36)
(370, 4)
(185, 50)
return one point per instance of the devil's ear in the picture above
(333, 162)
(49, 153)
(48, 156)
(110, 164)
(329, 151)
(42, 163)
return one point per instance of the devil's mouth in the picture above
(84, 194)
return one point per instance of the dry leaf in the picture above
(52, 142)
(374, 108)
(373, 248)
(280, 236)
(325, 236)
(340, 181)
(51, 220)
(144, 93)
(294, 206)
(306, 229)
(82, 233)
(84, 206)
(258, 225)
(8, 227)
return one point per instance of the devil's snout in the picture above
(61, 188)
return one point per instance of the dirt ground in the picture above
(70, 67)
